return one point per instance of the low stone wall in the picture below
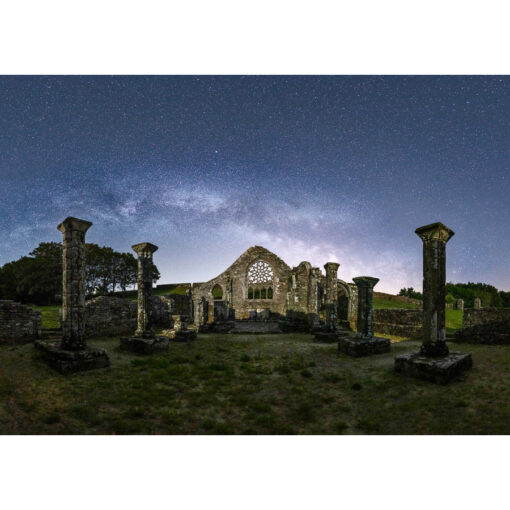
(485, 326)
(398, 322)
(398, 299)
(18, 323)
(473, 316)
(109, 316)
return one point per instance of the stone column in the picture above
(145, 320)
(331, 296)
(364, 326)
(434, 237)
(73, 283)
(460, 304)
(478, 303)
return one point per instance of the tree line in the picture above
(37, 277)
(488, 294)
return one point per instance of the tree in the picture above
(37, 278)
(411, 293)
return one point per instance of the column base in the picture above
(440, 370)
(67, 362)
(140, 345)
(358, 347)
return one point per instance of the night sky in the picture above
(313, 168)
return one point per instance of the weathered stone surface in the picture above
(66, 361)
(141, 345)
(477, 303)
(399, 322)
(255, 327)
(109, 316)
(185, 335)
(434, 237)
(489, 333)
(440, 369)
(18, 323)
(145, 316)
(73, 283)
(459, 304)
(364, 326)
(473, 317)
(358, 347)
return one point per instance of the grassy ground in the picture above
(386, 303)
(228, 384)
(49, 316)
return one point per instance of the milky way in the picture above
(313, 168)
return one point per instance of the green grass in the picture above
(386, 303)
(453, 320)
(230, 384)
(49, 316)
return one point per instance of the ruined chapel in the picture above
(260, 285)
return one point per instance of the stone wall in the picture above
(485, 326)
(110, 316)
(398, 321)
(398, 299)
(18, 323)
(473, 317)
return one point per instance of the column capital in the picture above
(435, 232)
(71, 223)
(365, 281)
(331, 266)
(144, 249)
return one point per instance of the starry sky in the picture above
(317, 168)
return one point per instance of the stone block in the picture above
(67, 362)
(185, 335)
(358, 347)
(440, 370)
(140, 345)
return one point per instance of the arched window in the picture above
(257, 294)
(270, 293)
(217, 292)
(263, 293)
(250, 293)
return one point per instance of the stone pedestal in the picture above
(364, 343)
(440, 370)
(357, 347)
(72, 354)
(477, 303)
(67, 362)
(434, 362)
(144, 340)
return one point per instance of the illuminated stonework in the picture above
(260, 272)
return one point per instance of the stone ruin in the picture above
(72, 354)
(261, 287)
(434, 361)
(18, 323)
(364, 343)
(144, 340)
(490, 326)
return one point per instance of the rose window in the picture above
(260, 272)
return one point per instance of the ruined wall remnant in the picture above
(18, 323)
(406, 323)
(473, 317)
(477, 303)
(109, 316)
(485, 326)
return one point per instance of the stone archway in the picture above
(343, 301)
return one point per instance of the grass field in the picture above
(49, 316)
(228, 384)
